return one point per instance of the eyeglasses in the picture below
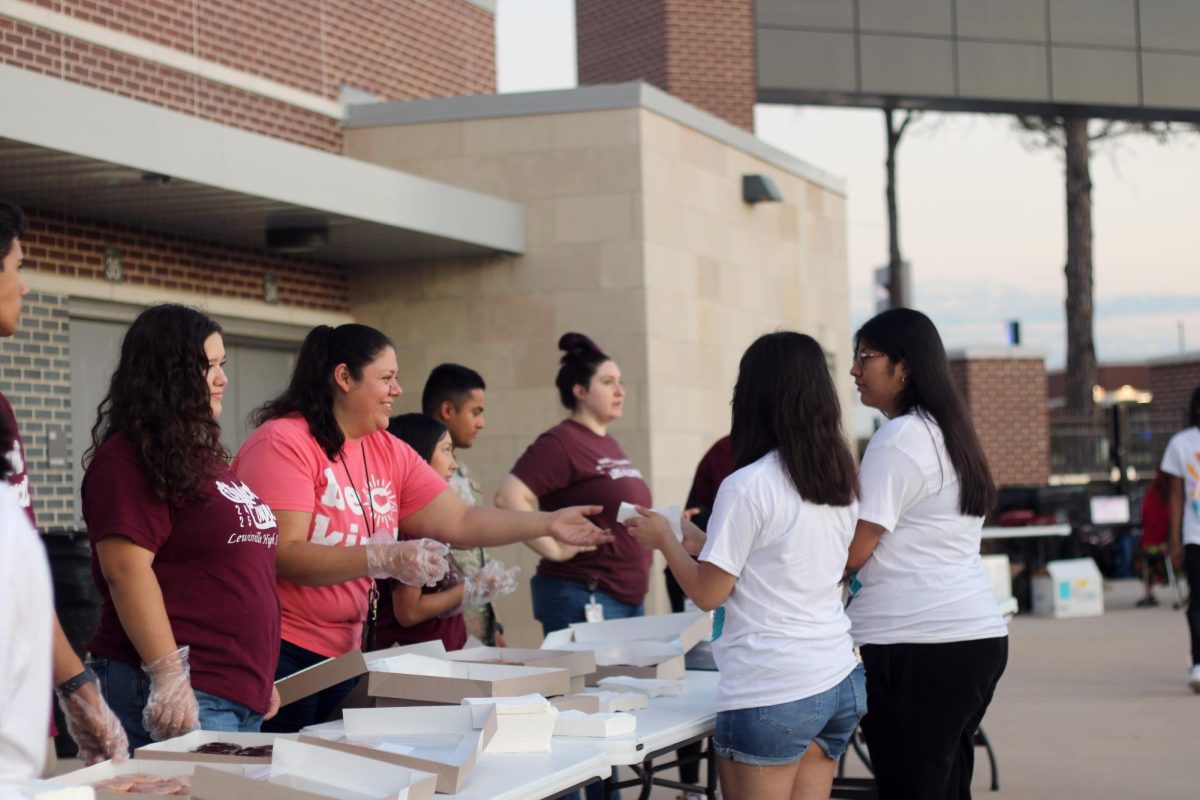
(863, 356)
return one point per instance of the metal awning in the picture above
(92, 154)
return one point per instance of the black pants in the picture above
(1191, 568)
(308, 710)
(924, 704)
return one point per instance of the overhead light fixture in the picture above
(298, 240)
(759, 189)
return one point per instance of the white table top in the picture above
(519, 776)
(1026, 531)
(668, 721)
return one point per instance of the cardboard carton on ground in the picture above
(443, 740)
(180, 748)
(300, 771)
(1071, 588)
(333, 671)
(641, 647)
(422, 679)
(112, 769)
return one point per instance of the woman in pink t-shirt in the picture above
(342, 489)
(183, 553)
(411, 614)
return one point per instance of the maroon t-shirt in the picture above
(571, 465)
(215, 563)
(451, 630)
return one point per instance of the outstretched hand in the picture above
(650, 529)
(572, 526)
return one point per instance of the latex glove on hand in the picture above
(572, 526)
(92, 724)
(491, 581)
(420, 562)
(171, 710)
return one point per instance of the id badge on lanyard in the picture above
(593, 611)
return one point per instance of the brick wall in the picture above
(1006, 399)
(1172, 384)
(65, 245)
(35, 375)
(401, 49)
(701, 51)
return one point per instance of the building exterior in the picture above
(349, 161)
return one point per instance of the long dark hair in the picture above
(158, 399)
(784, 400)
(310, 391)
(419, 432)
(1194, 409)
(8, 438)
(903, 334)
(581, 358)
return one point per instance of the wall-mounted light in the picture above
(113, 271)
(759, 189)
(156, 178)
(271, 288)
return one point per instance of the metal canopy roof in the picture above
(89, 153)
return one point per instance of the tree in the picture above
(898, 291)
(1074, 135)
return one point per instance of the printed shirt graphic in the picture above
(1182, 459)
(570, 465)
(287, 468)
(15, 452)
(215, 563)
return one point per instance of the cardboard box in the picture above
(524, 724)
(641, 647)
(434, 680)
(1072, 588)
(601, 702)
(180, 748)
(599, 726)
(578, 663)
(333, 671)
(112, 769)
(442, 740)
(301, 771)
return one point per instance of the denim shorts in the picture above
(771, 735)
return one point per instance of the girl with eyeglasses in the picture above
(924, 616)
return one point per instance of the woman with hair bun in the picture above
(925, 616)
(183, 553)
(578, 461)
(343, 490)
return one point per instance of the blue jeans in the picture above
(127, 689)
(779, 734)
(558, 603)
(307, 710)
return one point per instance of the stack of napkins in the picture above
(650, 687)
(577, 723)
(523, 724)
(597, 701)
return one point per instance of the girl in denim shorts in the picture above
(775, 552)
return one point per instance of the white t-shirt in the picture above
(925, 582)
(26, 605)
(1182, 459)
(786, 635)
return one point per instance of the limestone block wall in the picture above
(638, 237)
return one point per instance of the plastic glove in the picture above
(93, 725)
(421, 562)
(489, 582)
(171, 710)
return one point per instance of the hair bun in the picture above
(577, 343)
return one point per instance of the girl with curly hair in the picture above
(183, 553)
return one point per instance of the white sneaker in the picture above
(1194, 678)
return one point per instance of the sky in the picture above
(982, 215)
